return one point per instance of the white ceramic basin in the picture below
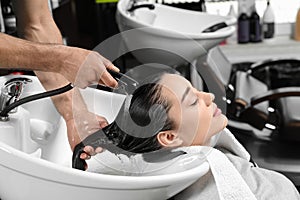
(169, 35)
(35, 158)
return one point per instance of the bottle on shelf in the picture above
(243, 27)
(202, 6)
(255, 26)
(231, 11)
(233, 37)
(268, 24)
(297, 26)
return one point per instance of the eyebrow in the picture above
(185, 93)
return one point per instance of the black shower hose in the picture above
(6, 110)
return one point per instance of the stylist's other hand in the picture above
(83, 125)
(83, 68)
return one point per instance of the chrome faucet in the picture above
(11, 92)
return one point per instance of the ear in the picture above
(169, 139)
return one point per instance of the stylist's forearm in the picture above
(18, 53)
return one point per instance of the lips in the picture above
(217, 112)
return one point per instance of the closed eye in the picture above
(195, 102)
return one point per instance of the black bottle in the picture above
(243, 28)
(255, 27)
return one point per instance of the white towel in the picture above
(229, 182)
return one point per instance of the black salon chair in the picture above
(267, 95)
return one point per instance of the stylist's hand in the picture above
(83, 68)
(83, 125)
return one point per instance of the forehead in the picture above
(175, 84)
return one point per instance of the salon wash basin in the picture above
(169, 35)
(36, 158)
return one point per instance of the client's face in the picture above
(196, 116)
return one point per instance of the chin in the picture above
(225, 122)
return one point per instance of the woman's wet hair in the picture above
(141, 117)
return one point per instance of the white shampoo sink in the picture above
(169, 35)
(36, 158)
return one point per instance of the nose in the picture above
(208, 98)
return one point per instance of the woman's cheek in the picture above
(204, 124)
